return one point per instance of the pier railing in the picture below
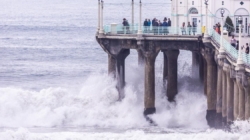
(119, 29)
(232, 51)
(114, 29)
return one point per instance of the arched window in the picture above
(193, 11)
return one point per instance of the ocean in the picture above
(54, 83)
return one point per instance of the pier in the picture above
(224, 71)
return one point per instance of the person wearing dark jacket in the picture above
(145, 25)
(165, 27)
(247, 48)
(155, 25)
(125, 26)
(169, 22)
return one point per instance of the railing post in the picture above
(140, 30)
(206, 29)
(98, 28)
(222, 49)
(101, 23)
(240, 60)
(132, 23)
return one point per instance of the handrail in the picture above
(230, 50)
(153, 30)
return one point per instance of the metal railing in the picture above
(151, 30)
(232, 51)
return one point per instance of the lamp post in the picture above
(222, 49)
(101, 31)
(98, 28)
(140, 30)
(240, 60)
(206, 29)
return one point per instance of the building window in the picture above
(222, 2)
(193, 11)
(192, 2)
(246, 25)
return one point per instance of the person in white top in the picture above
(233, 41)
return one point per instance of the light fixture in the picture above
(206, 2)
(222, 11)
(240, 20)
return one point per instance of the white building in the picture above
(195, 11)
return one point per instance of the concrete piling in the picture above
(120, 71)
(149, 83)
(211, 87)
(111, 66)
(219, 98)
(230, 94)
(172, 85)
(236, 100)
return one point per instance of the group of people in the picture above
(217, 28)
(157, 26)
(235, 44)
(189, 29)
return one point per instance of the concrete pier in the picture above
(111, 66)
(211, 87)
(141, 58)
(230, 96)
(201, 68)
(241, 101)
(225, 79)
(165, 66)
(247, 107)
(219, 98)
(205, 76)
(120, 71)
(172, 85)
(149, 92)
(224, 95)
(236, 100)
(195, 64)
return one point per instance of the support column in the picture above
(219, 98)
(195, 64)
(236, 100)
(201, 68)
(101, 31)
(241, 101)
(172, 85)
(149, 96)
(205, 76)
(141, 57)
(99, 9)
(165, 66)
(211, 87)
(230, 100)
(120, 71)
(240, 79)
(247, 105)
(111, 66)
(224, 94)
(247, 93)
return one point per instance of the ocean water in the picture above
(54, 83)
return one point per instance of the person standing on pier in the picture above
(233, 41)
(145, 24)
(247, 49)
(149, 24)
(189, 28)
(183, 28)
(165, 27)
(194, 28)
(125, 26)
(169, 22)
